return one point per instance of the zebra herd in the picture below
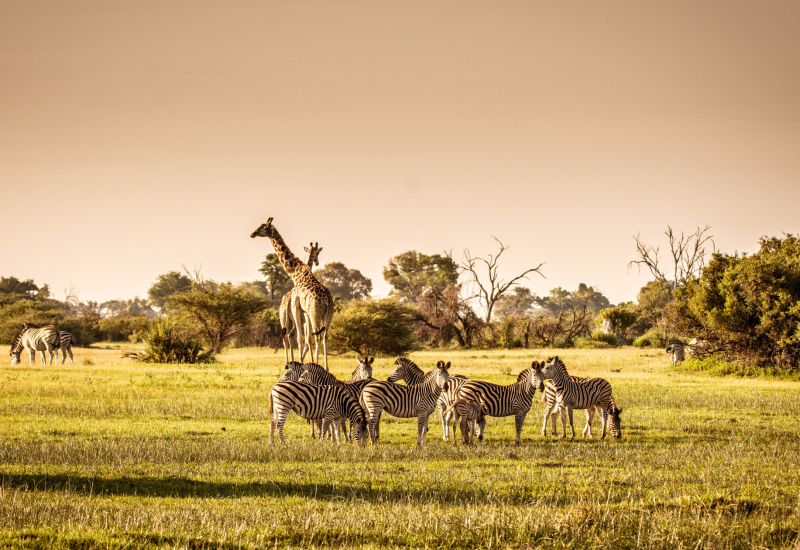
(316, 395)
(43, 339)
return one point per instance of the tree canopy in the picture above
(516, 303)
(278, 281)
(412, 273)
(347, 284)
(373, 327)
(166, 285)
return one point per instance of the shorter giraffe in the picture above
(289, 305)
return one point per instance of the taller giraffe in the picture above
(289, 304)
(314, 299)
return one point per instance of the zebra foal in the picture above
(591, 393)
(473, 420)
(329, 403)
(35, 339)
(496, 400)
(413, 401)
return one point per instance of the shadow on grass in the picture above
(181, 487)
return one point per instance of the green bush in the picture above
(163, 343)
(608, 338)
(642, 342)
(372, 327)
(121, 329)
(587, 342)
(26, 311)
(264, 331)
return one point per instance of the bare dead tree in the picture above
(490, 290)
(71, 296)
(688, 255)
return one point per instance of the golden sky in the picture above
(137, 136)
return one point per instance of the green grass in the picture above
(119, 455)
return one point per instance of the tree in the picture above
(516, 303)
(412, 273)
(493, 287)
(373, 327)
(220, 309)
(745, 308)
(623, 317)
(561, 300)
(688, 255)
(12, 290)
(441, 315)
(348, 284)
(278, 282)
(127, 308)
(166, 285)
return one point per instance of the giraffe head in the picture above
(264, 230)
(313, 250)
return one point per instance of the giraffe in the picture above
(314, 299)
(288, 307)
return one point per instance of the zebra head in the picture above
(442, 374)
(264, 230)
(15, 360)
(293, 371)
(401, 372)
(364, 369)
(545, 370)
(358, 430)
(615, 426)
(530, 374)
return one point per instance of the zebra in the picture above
(588, 394)
(315, 374)
(409, 372)
(404, 401)
(676, 353)
(289, 311)
(473, 419)
(35, 339)
(66, 348)
(293, 371)
(330, 403)
(496, 400)
(550, 399)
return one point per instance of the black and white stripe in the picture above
(676, 352)
(293, 371)
(35, 339)
(550, 399)
(590, 393)
(328, 403)
(66, 348)
(473, 419)
(413, 401)
(496, 400)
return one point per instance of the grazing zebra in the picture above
(293, 371)
(329, 403)
(496, 400)
(36, 339)
(590, 393)
(404, 401)
(315, 374)
(550, 399)
(289, 311)
(676, 353)
(473, 420)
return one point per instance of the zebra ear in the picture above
(447, 366)
(287, 367)
(370, 360)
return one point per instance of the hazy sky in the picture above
(139, 136)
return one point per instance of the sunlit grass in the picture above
(116, 453)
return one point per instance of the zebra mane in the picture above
(315, 374)
(16, 347)
(411, 369)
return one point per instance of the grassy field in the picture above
(112, 454)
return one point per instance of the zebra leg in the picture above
(571, 425)
(548, 407)
(422, 428)
(44, 359)
(32, 355)
(445, 421)
(374, 418)
(604, 412)
(588, 428)
(519, 419)
(554, 421)
(69, 350)
(455, 426)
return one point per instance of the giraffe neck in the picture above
(291, 264)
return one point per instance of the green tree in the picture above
(623, 316)
(745, 307)
(412, 273)
(278, 282)
(166, 285)
(373, 327)
(516, 303)
(128, 308)
(220, 309)
(348, 284)
(12, 290)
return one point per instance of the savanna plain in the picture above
(113, 454)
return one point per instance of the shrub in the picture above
(163, 343)
(642, 342)
(746, 307)
(587, 342)
(121, 329)
(264, 331)
(26, 311)
(608, 338)
(373, 327)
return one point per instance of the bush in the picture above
(373, 327)
(587, 342)
(642, 342)
(121, 329)
(608, 338)
(163, 343)
(264, 331)
(746, 308)
(26, 311)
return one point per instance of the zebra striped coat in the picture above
(404, 401)
(590, 393)
(473, 421)
(676, 353)
(315, 374)
(35, 339)
(66, 348)
(329, 403)
(496, 400)
(408, 371)
(293, 371)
